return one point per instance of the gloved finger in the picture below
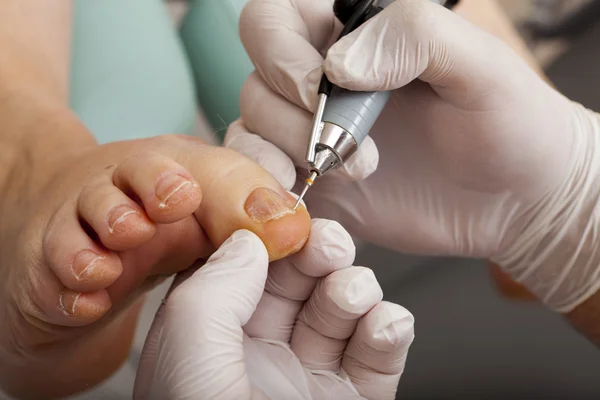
(266, 154)
(200, 331)
(330, 316)
(413, 39)
(288, 128)
(283, 39)
(291, 280)
(375, 356)
(150, 352)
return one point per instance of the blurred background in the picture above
(472, 342)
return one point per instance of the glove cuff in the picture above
(556, 254)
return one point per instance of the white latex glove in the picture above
(317, 329)
(477, 155)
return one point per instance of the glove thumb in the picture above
(419, 39)
(194, 348)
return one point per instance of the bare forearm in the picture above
(586, 318)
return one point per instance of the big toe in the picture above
(239, 194)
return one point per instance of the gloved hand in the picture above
(317, 329)
(477, 156)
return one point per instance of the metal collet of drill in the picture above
(344, 118)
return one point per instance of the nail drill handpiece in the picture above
(344, 118)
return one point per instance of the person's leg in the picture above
(129, 75)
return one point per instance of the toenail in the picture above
(169, 185)
(264, 205)
(68, 302)
(84, 264)
(117, 215)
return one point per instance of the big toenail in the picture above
(264, 205)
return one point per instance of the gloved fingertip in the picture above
(243, 236)
(264, 153)
(327, 232)
(364, 162)
(279, 166)
(354, 290)
(239, 266)
(329, 248)
(390, 326)
(235, 129)
(342, 68)
(242, 246)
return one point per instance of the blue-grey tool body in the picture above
(355, 112)
(344, 118)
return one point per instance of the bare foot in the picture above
(103, 230)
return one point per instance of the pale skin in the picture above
(87, 229)
(67, 327)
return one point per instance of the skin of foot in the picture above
(84, 236)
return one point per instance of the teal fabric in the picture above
(133, 77)
(219, 62)
(129, 73)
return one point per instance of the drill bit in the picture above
(308, 183)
